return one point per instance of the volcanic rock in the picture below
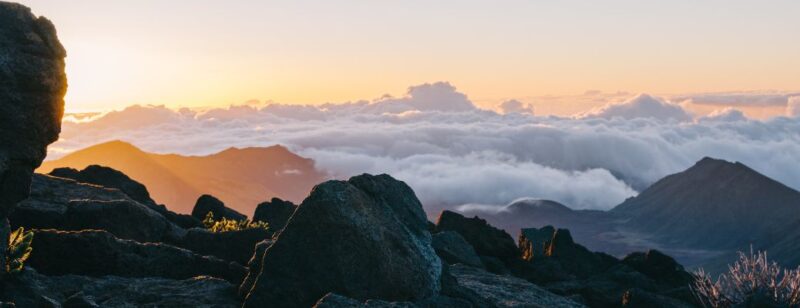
(276, 212)
(236, 246)
(98, 253)
(31, 289)
(208, 203)
(487, 240)
(365, 238)
(453, 248)
(32, 88)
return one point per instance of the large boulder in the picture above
(660, 267)
(486, 239)
(107, 177)
(32, 88)
(453, 248)
(276, 212)
(111, 178)
(99, 253)
(365, 238)
(31, 289)
(64, 204)
(209, 204)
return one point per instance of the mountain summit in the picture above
(713, 204)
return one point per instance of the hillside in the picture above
(240, 177)
(715, 204)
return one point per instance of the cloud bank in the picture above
(452, 153)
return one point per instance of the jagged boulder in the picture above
(453, 248)
(236, 246)
(365, 238)
(32, 88)
(533, 242)
(208, 203)
(107, 177)
(31, 289)
(486, 239)
(276, 212)
(99, 253)
(111, 178)
(65, 204)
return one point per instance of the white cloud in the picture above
(452, 153)
(725, 115)
(737, 98)
(515, 106)
(642, 106)
(793, 107)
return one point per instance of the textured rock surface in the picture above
(533, 242)
(65, 204)
(107, 177)
(254, 267)
(208, 203)
(31, 289)
(111, 178)
(236, 246)
(32, 88)
(365, 238)
(276, 212)
(453, 248)
(487, 240)
(507, 291)
(98, 253)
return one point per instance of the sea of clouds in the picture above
(451, 152)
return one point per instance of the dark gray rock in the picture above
(638, 298)
(80, 300)
(487, 240)
(659, 267)
(254, 267)
(65, 204)
(365, 238)
(236, 246)
(276, 212)
(28, 288)
(208, 203)
(107, 177)
(533, 242)
(98, 253)
(332, 300)
(507, 291)
(453, 248)
(32, 88)
(111, 178)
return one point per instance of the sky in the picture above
(546, 54)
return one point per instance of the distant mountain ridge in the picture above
(241, 178)
(702, 216)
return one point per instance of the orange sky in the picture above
(213, 53)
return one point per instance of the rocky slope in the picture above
(242, 178)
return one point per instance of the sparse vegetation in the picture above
(227, 225)
(18, 250)
(752, 280)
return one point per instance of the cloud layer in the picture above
(453, 153)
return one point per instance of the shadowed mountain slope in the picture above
(239, 177)
(715, 204)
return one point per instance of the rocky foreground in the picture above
(364, 242)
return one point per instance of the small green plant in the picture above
(227, 225)
(19, 249)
